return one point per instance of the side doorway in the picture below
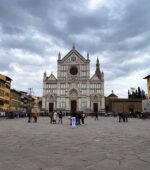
(51, 107)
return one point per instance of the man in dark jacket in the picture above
(60, 115)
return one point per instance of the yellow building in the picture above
(148, 85)
(5, 85)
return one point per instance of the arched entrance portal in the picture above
(95, 103)
(95, 107)
(73, 100)
(51, 103)
(51, 107)
(73, 105)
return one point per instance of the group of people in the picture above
(54, 116)
(33, 115)
(123, 117)
(79, 117)
(57, 117)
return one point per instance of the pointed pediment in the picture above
(51, 77)
(73, 57)
(94, 77)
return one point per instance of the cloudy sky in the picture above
(32, 32)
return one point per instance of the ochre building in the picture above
(5, 85)
(148, 85)
(15, 100)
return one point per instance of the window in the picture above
(1, 93)
(73, 70)
(83, 103)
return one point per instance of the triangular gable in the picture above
(94, 77)
(51, 77)
(73, 52)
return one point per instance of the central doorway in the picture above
(95, 107)
(73, 105)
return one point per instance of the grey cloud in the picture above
(30, 44)
(109, 31)
(13, 30)
(5, 61)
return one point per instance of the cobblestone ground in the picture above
(105, 144)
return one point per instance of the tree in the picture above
(143, 95)
(138, 93)
(129, 94)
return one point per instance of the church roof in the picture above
(95, 77)
(112, 95)
(147, 77)
(51, 77)
(73, 50)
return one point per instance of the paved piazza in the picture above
(105, 144)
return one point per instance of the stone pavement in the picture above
(105, 144)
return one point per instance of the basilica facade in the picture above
(73, 89)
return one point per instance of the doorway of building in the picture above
(95, 107)
(73, 105)
(51, 107)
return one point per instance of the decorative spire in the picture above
(97, 60)
(45, 74)
(97, 72)
(59, 56)
(73, 46)
(88, 56)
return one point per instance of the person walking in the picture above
(51, 117)
(29, 117)
(96, 115)
(55, 117)
(60, 115)
(34, 115)
(120, 116)
(73, 118)
(82, 117)
(78, 117)
(126, 117)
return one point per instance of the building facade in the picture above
(27, 102)
(5, 85)
(148, 85)
(74, 89)
(15, 100)
(118, 105)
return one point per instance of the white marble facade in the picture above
(74, 89)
